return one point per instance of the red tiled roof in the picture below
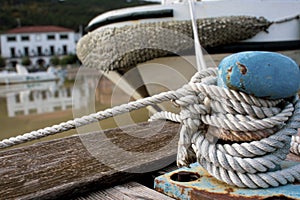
(39, 29)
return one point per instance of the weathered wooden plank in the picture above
(70, 166)
(131, 190)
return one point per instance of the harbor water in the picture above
(32, 106)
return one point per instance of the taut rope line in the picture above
(198, 51)
(88, 119)
(206, 108)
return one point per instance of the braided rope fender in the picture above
(125, 47)
(254, 164)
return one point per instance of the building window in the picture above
(26, 51)
(24, 38)
(12, 52)
(51, 37)
(39, 51)
(65, 49)
(11, 38)
(63, 36)
(52, 52)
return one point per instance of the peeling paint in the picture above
(207, 187)
(243, 69)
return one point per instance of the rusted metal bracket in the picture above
(195, 183)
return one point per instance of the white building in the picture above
(39, 43)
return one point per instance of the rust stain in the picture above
(296, 183)
(243, 68)
(202, 194)
(182, 189)
(229, 190)
(280, 197)
(194, 192)
(220, 190)
(229, 70)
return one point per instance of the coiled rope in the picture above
(213, 120)
(209, 110)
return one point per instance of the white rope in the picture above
(165, 115)
(295, 145)
(95, 117)
(206, 111)
(245, 164)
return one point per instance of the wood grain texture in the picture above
(131, 190)
(70, 166)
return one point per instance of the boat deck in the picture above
(131, 190)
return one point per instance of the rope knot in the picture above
(255, 133)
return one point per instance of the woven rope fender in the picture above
(270, 126)
(125, 47)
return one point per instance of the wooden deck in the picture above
(65, 168)
(69, 168)
(131, 190)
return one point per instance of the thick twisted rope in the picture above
(206, 111)
(253, 164)
(295, 145)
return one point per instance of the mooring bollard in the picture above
(264, 77)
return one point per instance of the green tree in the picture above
(26, 61)
(64, 60)
(72, 59)
(54, 12)
(55, 60)
(68, 59)
(2, 62)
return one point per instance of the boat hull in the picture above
(25, 78)
(284, 32)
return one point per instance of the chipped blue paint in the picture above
(262, 74)
(208, 187)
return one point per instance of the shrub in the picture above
(2, 62)
(68, 59)
(55, 60)
(72, 59)
(26, 61)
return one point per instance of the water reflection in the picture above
(31, 106)
(38, 98)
